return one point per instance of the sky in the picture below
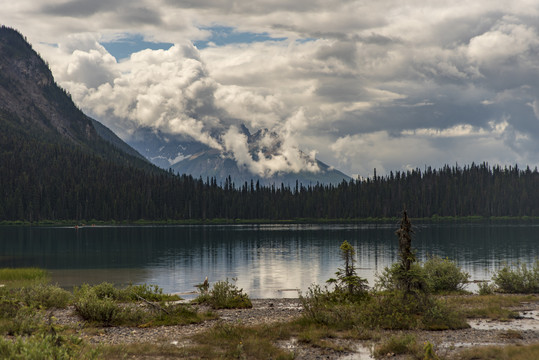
(391, 85)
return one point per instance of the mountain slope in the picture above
(31, 101)
(55, 165)
(161, 149)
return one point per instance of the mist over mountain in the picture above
(261, 146)
(261, 152)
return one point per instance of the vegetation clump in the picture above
(443, 275)
(46, 346)
(22, 276)
(106, 305)
(223, 295)
(518, 280)
(399, 345)
(348, 283)
(401, 298)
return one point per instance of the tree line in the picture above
(40, 180)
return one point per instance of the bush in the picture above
(95, 309)
(147, 292)
(45, 296)
(42, 347)
(486, 288)
(443, 275)
(128, 294)
(24, 321)
(392, 310)
(518, 280)
(179, 314)
(102, 304)
(436, 275)
(325, 307)
(224, 295)
(391, 279)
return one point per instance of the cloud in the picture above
(283, 157)
(463, 144)
(357, 82)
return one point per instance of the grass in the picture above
(493, 307)
(106, 305)
(148, 350)
(510, 352)
(44, 347)
(13, 278)
(399, 345)
(242, 342)
(328, 321)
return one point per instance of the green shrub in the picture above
(24, 321)
(44, 347)
(392, 310)
(436, 275)
(322, 306)
(147, 292)
(485, 288)
(101, 310)
(105, 290)
(438, 315)
(443, 275)
(9, 307)
(45, 296)
(178, 314)
(224, 295)
(518, 280)
(128, 294)
(392, 278)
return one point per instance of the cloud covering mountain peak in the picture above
(356, 81)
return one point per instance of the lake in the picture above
(269, 261)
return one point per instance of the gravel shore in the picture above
(447, 343)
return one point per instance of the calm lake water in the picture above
(267, 260)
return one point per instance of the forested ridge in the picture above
(41, 180)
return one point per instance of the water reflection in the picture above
(265, 259)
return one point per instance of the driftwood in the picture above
(152, 304)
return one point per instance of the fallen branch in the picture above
(152, 304)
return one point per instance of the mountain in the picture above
(211, 163)
(32, 103)
(164, 150)
(58, 164)
(187, 156)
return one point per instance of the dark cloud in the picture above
(128, 11)
(82, 8)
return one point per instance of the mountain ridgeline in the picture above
(58, 164)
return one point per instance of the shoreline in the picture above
(447, 343)
(307, 221)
